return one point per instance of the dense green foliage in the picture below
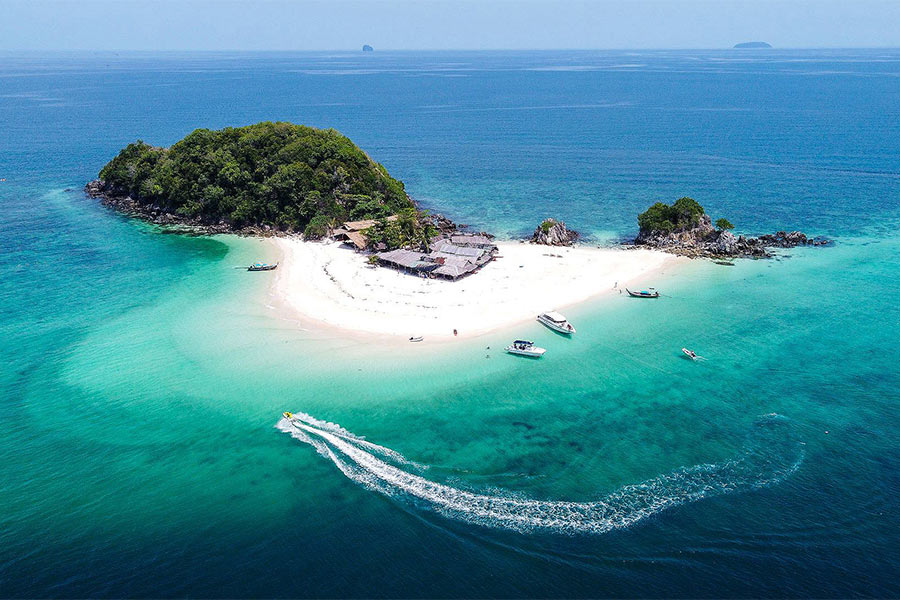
(291, 177)
(410, 229)
(683, 214)
(724, 224)
(547, 225)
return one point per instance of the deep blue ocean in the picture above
(142, 379)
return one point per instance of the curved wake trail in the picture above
(770, 454)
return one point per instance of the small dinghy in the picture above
(262, 267)
(690, 354)
(416, 338)
(643, 293)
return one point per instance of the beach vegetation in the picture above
(723, 224)
(683, 214)
(410, 229)
(290, 177)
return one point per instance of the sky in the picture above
(443, 24)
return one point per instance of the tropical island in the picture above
(334, 213)
(684, 228)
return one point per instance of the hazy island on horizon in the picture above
(751, 45)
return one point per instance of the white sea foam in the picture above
(770, 455)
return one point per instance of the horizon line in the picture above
(359, 49)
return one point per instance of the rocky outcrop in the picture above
(705, 241)
(119, 200)
(553, 233)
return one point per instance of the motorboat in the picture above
(556, 322)
(262, 267)
(690, 354)
(525, 348)
(416, 338)
(287, 415)
(643, 293)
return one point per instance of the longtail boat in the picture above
(262, 267)
(642, 294)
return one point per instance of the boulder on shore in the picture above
(553, 233)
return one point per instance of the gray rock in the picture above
(702, 240)
(553, 233)
(726, 243)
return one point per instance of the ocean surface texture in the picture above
(143, 376)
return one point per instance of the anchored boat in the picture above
(525, 348)
(556, 322)
(643, 293)
(262, 267)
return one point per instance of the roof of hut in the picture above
(404, 258)
(448, 247)
(358, 239)
(471, 238)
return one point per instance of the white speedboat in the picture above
(556, 322)
(525, 348)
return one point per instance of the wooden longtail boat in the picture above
(262, 267)
(642, 294)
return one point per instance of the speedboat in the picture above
(525, 348)
(261, 267)
(556, 322)
(287, 415)
(643, 294)
(416, 338)
(690, 354)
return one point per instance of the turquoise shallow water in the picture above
(144, 375)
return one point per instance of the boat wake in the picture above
(770, 453)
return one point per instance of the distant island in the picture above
(368, 48)
(753, 45)
(267, 177)
(684, 228)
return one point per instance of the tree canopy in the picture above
(410, 229)
(683, 214)
(291, 177)
(724, 224)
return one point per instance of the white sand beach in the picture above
(328, 284)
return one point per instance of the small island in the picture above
(368, 48)
(684, 228)
(259, 179)
(752, 45)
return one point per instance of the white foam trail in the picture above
(339, 431)
(759, 465)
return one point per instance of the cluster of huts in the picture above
(449, 256)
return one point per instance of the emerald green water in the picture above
(144, 377)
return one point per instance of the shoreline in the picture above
(328, 288)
